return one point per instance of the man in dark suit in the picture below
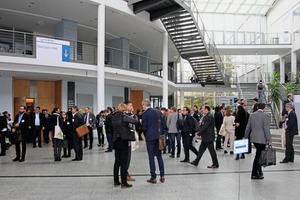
(218, 123)
(77, 121)
(3, 133)
(21, 123)
(288, 100)
(152, 127)
(291, 129)
(47, 125)
(37, 121)
(207, 133)
(89, 119)
(188, 133)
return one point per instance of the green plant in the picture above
(294, 85)
(274, 88)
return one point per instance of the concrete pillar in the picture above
(282, 69)
(181, 69)
(293, 65)
(165, 69)
(181, 99)
(101, 58)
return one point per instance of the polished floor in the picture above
(39, 177)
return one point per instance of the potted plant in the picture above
(274, 88)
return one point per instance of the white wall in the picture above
(6, 100)
(111, 91)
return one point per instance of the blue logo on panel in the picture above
(65, 53)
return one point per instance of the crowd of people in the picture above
(120, 125)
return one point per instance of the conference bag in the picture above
(267, 157)
(58, 134)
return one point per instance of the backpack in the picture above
(260, 86)
(197, 125)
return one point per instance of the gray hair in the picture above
(289, 105)
(146, 102)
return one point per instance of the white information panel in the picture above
(241, 146)
(48, 49)
(297, 108)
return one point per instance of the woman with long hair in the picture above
(68, 140)
(241, 120)
(229, 124)
(55, 120)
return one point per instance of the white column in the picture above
(181, 99)
(282, 69)
(181, 70)
(214, 99)
(165, 69)
(293, 65)
(256, 73)
(100, 58)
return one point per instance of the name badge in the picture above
(69, 122)
(72, 120)
(22, 120)
(90, 118)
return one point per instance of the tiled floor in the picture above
(39, 177)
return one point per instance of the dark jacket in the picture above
(207, 128)
(150, 124)
(53, 122)
(3, 123)
(108, 123)
(284, 112)
(188, 126)
(24, 123)
(242, 120)
(218, 120)
(77, 120)
(120, 124)
(292, 124)
(32, 119)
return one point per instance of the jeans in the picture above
(178, 141)
(153, 150)
(109, 141)
(168, 142)
(260, 96)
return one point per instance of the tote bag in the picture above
(58, 134)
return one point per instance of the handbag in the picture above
(58, 134)
(82, 130)
(267, 157)
(222, 130)
(129, 133)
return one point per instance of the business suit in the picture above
(3, 132)
(207, 133)
(37, 128)
(188, 133)
(89, 120)
(284, 112)
(290, 131)
(23, 122)
(218, 123)
(77, 121)
(152, 129)
(259, 126)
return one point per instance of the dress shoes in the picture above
(153, 181)
(213, 166)
(64, 156)
(195, 163)
(231, 152)
(129, 178)
(225, 152)
(171, 156)
(242, 156)
(184, 161)
(284, 161)
(178, 155)
(126, 185)
(162, 179)
(22, 160)
(90, 148)
(16, 159)
(108, 151)
(117, 184)
(76, 159)
(257, 177)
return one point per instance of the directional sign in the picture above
(52, 50)
(65, 53)
(241, 146)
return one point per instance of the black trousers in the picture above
(90, 136)
(129, 157)
(46, 134)
(219, 137)
(187, 145)
(121, 159)
(3, 143)
(289, 151)
(202, 149)
(77, 142)
(37, 134)
(100, 135)
(256, 168)
(18, 147)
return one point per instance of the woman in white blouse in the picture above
(228, 123)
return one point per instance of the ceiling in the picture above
(40, 17)
(244, 7)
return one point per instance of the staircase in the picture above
(183, 29)
(249, 92)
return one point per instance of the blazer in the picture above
(152, 129)
(259, 127)
(284, 112)
(92, 118)
(3, 123)
(207, 128)
(292, 124)
(77, 120)
(172, 122)
(218, 119)
(24, 123)
(188, 127)
(32, 119)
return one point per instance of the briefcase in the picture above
(268, 157)
(82, 130)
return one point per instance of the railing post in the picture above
(24, 47)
